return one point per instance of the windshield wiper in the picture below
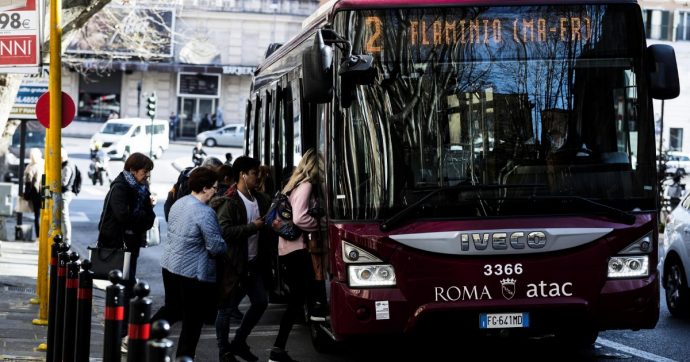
(615, 213)
(389, 223)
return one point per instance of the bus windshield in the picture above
(536, 102)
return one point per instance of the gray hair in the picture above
(212, 162)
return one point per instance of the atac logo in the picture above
(508, 288)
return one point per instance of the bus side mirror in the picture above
(663, 72)
(355, 70)
(317, 71)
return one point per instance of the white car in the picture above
(677, 161)
(674, 260)
(231, 135)
(122, 137)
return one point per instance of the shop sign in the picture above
(19, 36)
(198, 85)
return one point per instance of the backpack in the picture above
(76, 185)
(179, 190)
(279, 218)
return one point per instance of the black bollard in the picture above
(63, 259)
(114, 315)
(158, 349)
(82, 345)
(70, 321)
(139, 326)
(54, 248)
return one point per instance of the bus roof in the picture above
(325, 12)
(330, 7)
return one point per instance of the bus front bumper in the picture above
(622, 304)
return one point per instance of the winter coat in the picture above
(117, 222)
(194, 240)
(232, 216)
(33, 174)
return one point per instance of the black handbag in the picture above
(104, 260)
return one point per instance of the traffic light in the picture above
(151, 106)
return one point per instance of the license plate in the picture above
(503, 320)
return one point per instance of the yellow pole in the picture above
(53, 159)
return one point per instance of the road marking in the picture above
(633, 351)
(78, 216)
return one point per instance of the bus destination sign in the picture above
(492, 31)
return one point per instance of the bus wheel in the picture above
(676, 287)
(320, 338)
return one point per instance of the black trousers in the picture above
(129, 290)
(299, 275)
(188, 300)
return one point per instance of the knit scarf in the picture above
(143, 194)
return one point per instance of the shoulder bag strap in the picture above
(105, 209)
(315, 188)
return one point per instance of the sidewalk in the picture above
(19, 338)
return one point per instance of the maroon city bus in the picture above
(487, 165)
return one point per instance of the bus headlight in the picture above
(628, 266)
(364, 276)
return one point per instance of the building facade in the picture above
(197, 56)
(668, 22)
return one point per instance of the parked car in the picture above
(677, 162)
(674, 260)
(35, 137)
(231, 135)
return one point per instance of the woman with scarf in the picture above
(127, 215)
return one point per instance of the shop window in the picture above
(683, 26)
(676, 139)
(657, 24)
(99, 99)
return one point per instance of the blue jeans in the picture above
(251, 285)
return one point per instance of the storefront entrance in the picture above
(191, 112)
(197, 99)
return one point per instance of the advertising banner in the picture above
(19, 36)
(29, 92)
(126, 31)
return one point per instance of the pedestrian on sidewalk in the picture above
(172, 126)
(68, 178)
(33, 172)
(245, 269)
(127, 215)
(294, 256)
(189, 260)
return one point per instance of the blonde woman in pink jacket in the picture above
(294, 256)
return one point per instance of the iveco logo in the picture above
(502, 240)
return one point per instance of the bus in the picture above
(487, 165)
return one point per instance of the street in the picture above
(665, 343)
